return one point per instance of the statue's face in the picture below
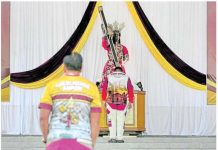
(116, 36)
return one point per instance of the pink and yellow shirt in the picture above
(71, 100)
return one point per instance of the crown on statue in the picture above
(116, 26)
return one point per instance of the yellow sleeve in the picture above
(96, 102)
(46, 100)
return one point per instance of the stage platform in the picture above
(131, 143)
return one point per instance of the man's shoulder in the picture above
(87, 81)
(55, 81)
(52, 82)
(117, 73)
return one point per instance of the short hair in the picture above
(73, 61)
(118, 68)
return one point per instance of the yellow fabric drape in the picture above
(58, 72)
(5, 94)
(5, 80)
(211, 97)
(157, 55)
(211, 83)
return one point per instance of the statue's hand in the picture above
(103, 29)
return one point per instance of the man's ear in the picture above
(65, 69)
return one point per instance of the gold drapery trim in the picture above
(58, 72)
(157, 55)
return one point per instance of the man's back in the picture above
(72, 99)
(75, 105)
(116, 88)
(117, 82)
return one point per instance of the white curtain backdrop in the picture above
(39, 29)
